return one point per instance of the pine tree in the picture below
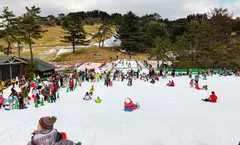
(31, 26)
(75, 32)
(7, 28)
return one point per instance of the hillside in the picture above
(47, 47)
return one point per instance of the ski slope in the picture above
(168, 116)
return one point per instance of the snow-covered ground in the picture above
(168, 116)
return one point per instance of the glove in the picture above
(79, 143)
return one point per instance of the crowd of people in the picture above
(25, 91)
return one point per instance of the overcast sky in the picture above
(171, 9)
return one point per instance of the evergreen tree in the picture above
(103, 31)
(7, 29)
(75, 32)
(31, 27)
(130, 34)
(161, 51)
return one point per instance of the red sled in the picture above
(111, 84)
(64, 135)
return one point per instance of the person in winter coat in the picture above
(91, 90)
(130, 82)
(46, 134)
(197, 86)
(71, 84)
(191, 83)
(1, 88)
(10, 101)
(87, 96)
(212, 98)
(20, 100)
(25, 95)
(1, 100)
(128, 104)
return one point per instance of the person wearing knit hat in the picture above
(46, 134)
(46, 123)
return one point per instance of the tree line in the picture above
(198, 40)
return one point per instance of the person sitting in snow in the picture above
(9, 102)
(152, 81)
(212, 98)
(129, 105)
(1, 100)
(87, 96)
(46, 134)
(191, 83)
(171, 83)
(98, 100)
(196, 79)
(130, 81)
(197, 86)
(91, 90)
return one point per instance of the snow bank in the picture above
(46, 53)
(65, 50)
(168, 116)
(112, 42)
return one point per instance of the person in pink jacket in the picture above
(129, 105)
(1, 100)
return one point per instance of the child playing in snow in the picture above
(87, 96)
(129, 105)
(212, 98)
(91, 90)
(191, 83)
(1, 100)
(47, 135)
(171, 83)
(130, 82)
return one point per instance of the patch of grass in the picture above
(87, 54)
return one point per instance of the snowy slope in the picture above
(168, 116)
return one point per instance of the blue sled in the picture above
(87, 99)
(127, 110)
(204, 78)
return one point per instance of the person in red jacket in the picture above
(71, 84)
(213, 98)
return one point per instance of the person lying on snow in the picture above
(152, 81)
(212, 98)
(91, 90)
(171, 83)
(130, 82)
(129, 105)
(87, 96)
(47, 135)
